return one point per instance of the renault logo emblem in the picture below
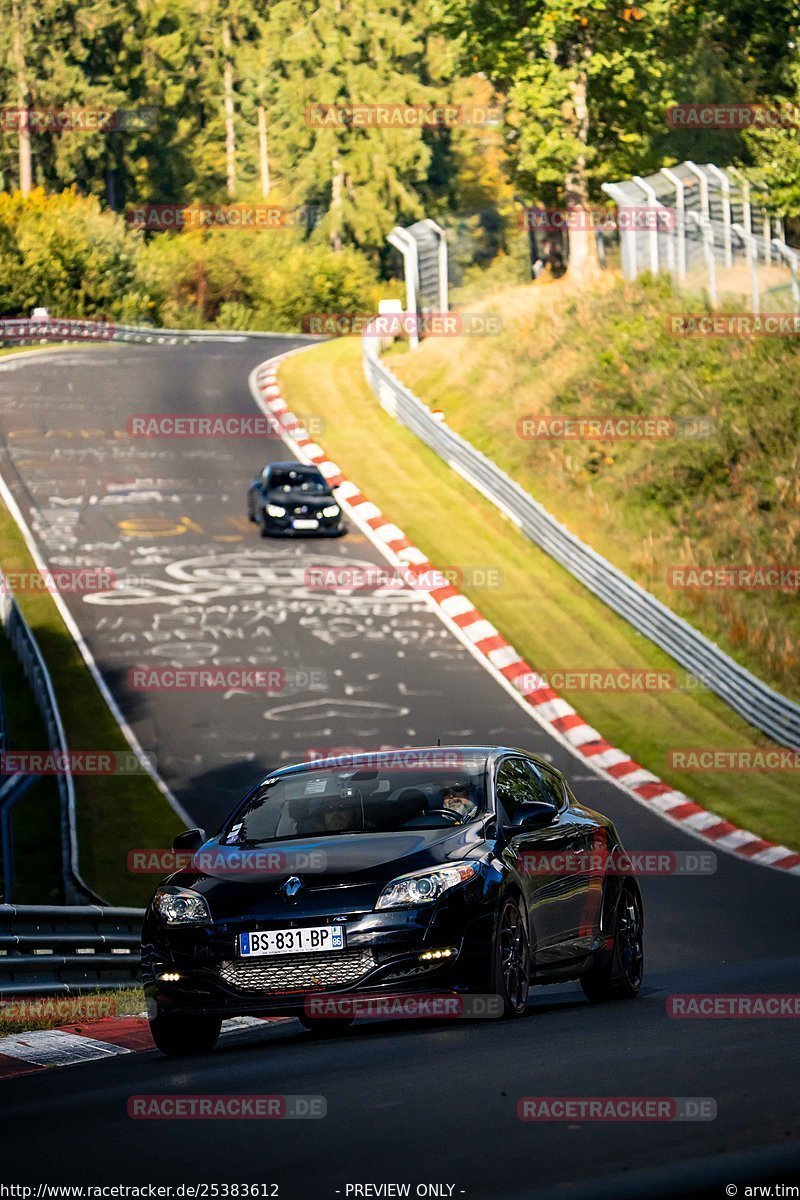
(292, 886)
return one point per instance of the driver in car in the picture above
(456, 800)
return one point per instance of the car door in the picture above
(548, 859)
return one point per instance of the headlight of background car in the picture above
(275, 510)
(423, 887)
(181, 906)
(331, 511)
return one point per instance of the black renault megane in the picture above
(445, 870)
(290, 498)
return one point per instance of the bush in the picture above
(62, 251)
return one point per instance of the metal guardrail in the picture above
(750, 697)
(27, 652)
(46, 951)
(90, 332)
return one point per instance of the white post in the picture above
(652, 203)
(708, 251)
(404, 242)
(751, 252)
(627, 236)
(680, 219)
(725, 187)
(701, 177)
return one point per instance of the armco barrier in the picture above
(79, 334)
(28, 654)
(48, 951)
(766, 709)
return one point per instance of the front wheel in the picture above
(511, 958)
(620, 977)
(177, 1035)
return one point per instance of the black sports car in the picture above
(463, 869)
(291, 498)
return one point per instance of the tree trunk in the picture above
(337, 187)
(25, 168)
(583, 260)
(230, 133)
(263, 151)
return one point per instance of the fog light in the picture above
(446, 952)
(171, 977)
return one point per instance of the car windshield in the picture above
(329, 801)
(297, 481)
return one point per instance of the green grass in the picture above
(731, 499)
(47, 1012)
(551, 620)
(115, 813)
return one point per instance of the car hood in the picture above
(344, 871)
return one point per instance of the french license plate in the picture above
(304, 524)
(292, 941)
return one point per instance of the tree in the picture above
(589, 81)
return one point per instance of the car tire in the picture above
(620, 976)
(326, 1027)
(262, 526)
(178, 1036)
(511, 958)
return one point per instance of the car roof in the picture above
(375, 757)
(292, 466)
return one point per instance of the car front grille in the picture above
(293, 973)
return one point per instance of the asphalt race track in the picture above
(407, 1101)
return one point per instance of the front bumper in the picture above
(326, 527)
(382, 956)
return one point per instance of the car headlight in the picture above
(423, 887)
(181, 906)
(275, 510)
(331, 511)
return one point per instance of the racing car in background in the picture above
(290, 498)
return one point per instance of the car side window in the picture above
(519, 783)
(554, 786)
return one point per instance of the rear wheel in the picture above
(177, 1035)
(512, 955)
(620, 977)
(326, 1027)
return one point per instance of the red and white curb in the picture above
(42, 1049)
(498, 656)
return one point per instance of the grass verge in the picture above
(547, 615)
(724, 491)
(48, 1012)
(115, 813)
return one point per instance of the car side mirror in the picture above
(536, 815)
(190, 839)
